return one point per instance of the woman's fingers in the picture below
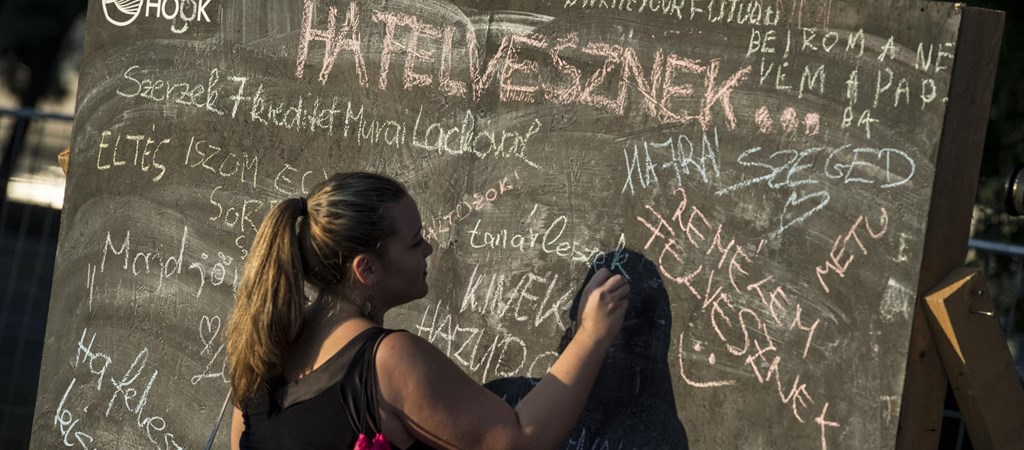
(615, 281)
(620, 291)
(604, 302)
(599, 278)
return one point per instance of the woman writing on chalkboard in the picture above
(357, 241)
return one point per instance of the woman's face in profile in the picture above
(403, 267)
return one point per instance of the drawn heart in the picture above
(208, 330)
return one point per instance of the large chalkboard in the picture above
(762, 171)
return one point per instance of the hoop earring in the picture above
(367, 306)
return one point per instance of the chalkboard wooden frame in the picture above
(949, 215)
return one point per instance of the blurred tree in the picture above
(31, 34)
(1004, 150)
(1004, 143)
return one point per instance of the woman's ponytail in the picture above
(269, 303)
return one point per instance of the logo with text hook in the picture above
(124, 12)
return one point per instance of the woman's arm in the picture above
(439, 404)
(237, 427)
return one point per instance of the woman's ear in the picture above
(363, 266)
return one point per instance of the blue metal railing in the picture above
(1001, 248)
(33, 114)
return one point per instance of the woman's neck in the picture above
(333, 310)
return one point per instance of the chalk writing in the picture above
(218, 271)
(745, 311)
(209, 331)
(659, 98)
(143, 155)
(483, 352)
(305, 112)
(441, 137)
(148, 261)
(839, 260)
(897, 301)
(127, 392)
(646, 161)
(139, 261)
(804, 40)
(65, 421)
(502, 297)
(553, 240)
(196, 95)
(443, 223)
(302, 113)
(226, 164)
(788, 121)
(725, 11)
(889, 400)
(885, 168)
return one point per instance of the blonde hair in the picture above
(302, 241)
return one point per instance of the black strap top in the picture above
(327, 408)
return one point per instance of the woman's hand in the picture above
(603, 304)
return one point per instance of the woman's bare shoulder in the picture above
(404, 346)
(437, 401)
(408, 358)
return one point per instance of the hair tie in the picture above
(305, 209)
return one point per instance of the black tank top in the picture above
(324, 408)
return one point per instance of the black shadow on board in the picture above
(631, 404)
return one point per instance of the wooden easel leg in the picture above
(924, 392)
(977, 361)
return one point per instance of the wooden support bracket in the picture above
(977, 362)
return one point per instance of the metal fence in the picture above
(1003, 265)
(29, 221)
